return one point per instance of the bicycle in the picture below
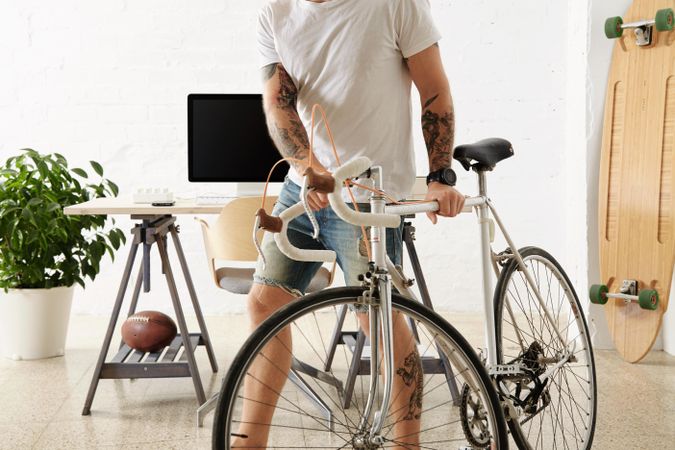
(533, 377)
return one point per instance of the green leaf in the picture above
(113, 187)
(7, 212)
(34, 201)
(97, 168)
(114, 240)
(53, 207)
(27, 214)
(61, 159)
(9, 173)
(80, 172)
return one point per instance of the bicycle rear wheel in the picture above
(446, 398)
(559, 411)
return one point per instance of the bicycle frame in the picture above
(484, 207)
(385, 274)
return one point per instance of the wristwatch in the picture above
(444, 176)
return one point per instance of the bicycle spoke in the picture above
(303, 342)
(287, 400)
(319, 385)
(564, 421)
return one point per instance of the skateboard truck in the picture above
(646, 298)
(643, 29)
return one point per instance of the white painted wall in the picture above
(108, 80)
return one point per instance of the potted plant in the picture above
(43, 252)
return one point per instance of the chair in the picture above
(230, 239)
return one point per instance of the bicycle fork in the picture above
(380, 318)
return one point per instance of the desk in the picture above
(154, 225)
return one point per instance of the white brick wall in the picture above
(107, 80)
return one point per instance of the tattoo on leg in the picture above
(413, 377)
(269, 71)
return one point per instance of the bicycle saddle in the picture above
(486, 153)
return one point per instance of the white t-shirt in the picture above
(347, 55)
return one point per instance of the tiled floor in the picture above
(41, 401)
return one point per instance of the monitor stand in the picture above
(250, 189)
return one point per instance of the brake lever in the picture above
(304, 192)
(256, 227)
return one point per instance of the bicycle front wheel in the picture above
(555, 397)
(302, 380)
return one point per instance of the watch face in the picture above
(449, 177)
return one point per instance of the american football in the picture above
(148, 331)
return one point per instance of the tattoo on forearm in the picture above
(288, 93)
(269, 71)
(283, 122)
(439, 133)
(413, 377)
(430, 101)
(291, 141)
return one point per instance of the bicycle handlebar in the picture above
(293, 252)
(354, 168)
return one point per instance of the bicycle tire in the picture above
(306, 307)
(523, 439)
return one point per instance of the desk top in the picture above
(126, 206)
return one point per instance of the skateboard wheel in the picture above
(648, 299)
(598, 294)
(613, 28)
(664, 19)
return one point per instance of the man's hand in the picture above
(450, 200)
(317, 200)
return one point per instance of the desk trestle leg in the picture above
(131, 364)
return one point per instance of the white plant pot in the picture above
(34, 322)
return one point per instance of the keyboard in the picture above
(214, 199)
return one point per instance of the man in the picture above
(357, 59)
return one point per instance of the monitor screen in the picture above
(228, 139)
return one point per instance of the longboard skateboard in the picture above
(637, 177)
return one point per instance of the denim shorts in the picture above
(335, 234)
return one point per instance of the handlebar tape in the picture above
(288, 249)
(351, 169)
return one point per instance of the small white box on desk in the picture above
(152, 195)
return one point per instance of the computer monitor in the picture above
(228, 141)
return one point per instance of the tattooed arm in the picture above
(438, 125)
(280, 96)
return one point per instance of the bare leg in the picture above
(268, 373)
(407, 387)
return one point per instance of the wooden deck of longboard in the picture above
(637, 185)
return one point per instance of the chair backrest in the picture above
(230, 237)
